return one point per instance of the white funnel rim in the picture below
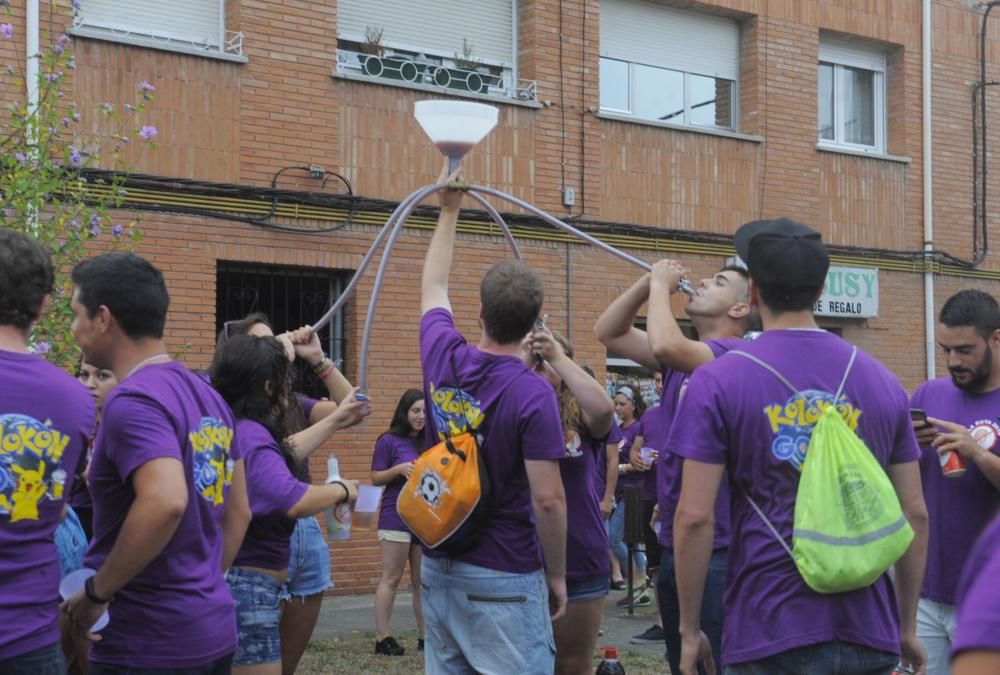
(466, 121)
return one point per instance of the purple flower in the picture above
(148, 133)
(145, 87)
(53, 77)
(6, 30)
(19, 156)
(129, 107)
(118, 230)
(75, 223)
(74, 156)
(63, 40)
(95, 231)
(4, 3)
(58, 48)
(106, 107)
(43, 348)
(95, 220)
(76, 117)
(76, 5)
(65, 121)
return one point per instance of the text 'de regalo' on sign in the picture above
(850, 292)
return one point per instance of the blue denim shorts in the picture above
(258, 612)
(309, 566)
(585, 590)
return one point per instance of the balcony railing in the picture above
(487, 80)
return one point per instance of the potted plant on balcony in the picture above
(467, 75)
(372, 51)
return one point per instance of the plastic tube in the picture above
(394, 225)
(555, 222)
(498, 219)
(345, 295)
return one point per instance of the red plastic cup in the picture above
(952, 464)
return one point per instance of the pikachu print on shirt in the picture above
(30, 465)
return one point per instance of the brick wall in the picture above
(241, 123)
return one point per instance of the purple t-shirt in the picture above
(307, 404)
(652, 432)
(601, 464)
(391, 450)
(738, 414)
(273, 490)
(79, 496)
(978, 610)
(516, 413)
(670, 466)
(177, 612)
(629, 434)
(961, 507)
(46, 418)
(586, 538)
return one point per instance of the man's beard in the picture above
(978, 376)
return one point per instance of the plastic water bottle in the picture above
(338, 518)
(610, 665)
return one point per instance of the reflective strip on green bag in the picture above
(849, 527)
(852, 541)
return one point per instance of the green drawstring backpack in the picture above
(849, 527)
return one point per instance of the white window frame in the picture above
(841, 53)
(684, 121)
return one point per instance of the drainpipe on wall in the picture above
(31, 50)
(929, 318)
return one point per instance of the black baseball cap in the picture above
(783, 254)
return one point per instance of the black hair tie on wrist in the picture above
(88, 589)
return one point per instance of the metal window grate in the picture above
(291, 297)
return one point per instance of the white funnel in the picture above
(455, 127)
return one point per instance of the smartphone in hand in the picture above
(919, 416)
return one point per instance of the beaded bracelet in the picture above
(324, 365)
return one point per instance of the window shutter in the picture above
(652, 34)
(195, 21)
(435, 27)
(848, 52)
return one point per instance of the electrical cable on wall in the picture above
(979, 148)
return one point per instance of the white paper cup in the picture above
(648, 455)
(72, 584)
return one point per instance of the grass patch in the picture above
(354, 653)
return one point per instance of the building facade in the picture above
(286, 136)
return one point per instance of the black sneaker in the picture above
(389, 647)
(653, 635)
(420, 644)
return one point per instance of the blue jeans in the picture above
(309, 566)
(43, 661)
(258, 612)
(483, 621)
(825, 658)
(616, 535)
(223, 666)
(711, 605)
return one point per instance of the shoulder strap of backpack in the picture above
(847, 371)
(766, 366)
